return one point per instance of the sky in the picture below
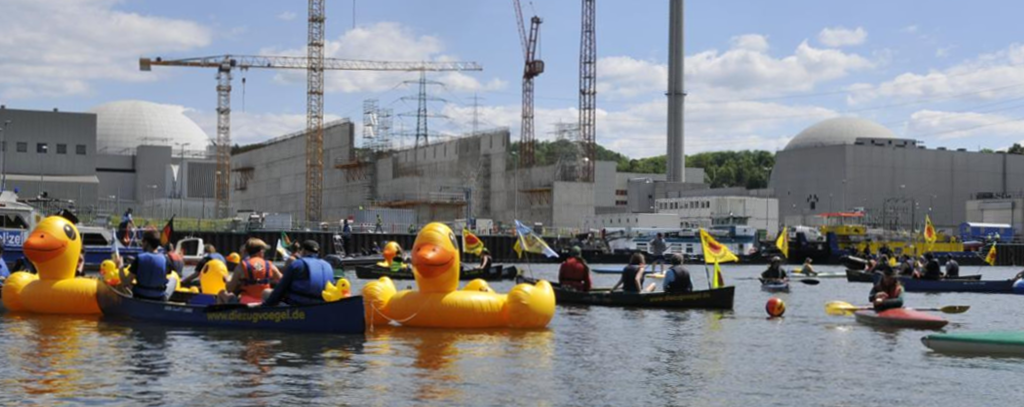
(757, 72)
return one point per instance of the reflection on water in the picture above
(588, 356)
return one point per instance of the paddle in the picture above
(810, 281)
(845, 308)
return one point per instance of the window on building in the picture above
(62, 148)
(80, 149)
(22, 147)
(42, 148)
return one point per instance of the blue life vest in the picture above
(308, 285)
(151, 277)
(215, 256)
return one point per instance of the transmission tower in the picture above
(588, 89)
(422, 98)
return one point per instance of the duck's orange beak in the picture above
(432, 260)
(43, 246)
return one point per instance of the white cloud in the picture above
(750, 42)
(745, 72)
(625, 77)
(943, 52)
(842, 36)
(939, 125)
(989, 76)
(249, 128)
(287, 16)
(910, 29)
(58, 48)
(383, 42)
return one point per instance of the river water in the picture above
(587, 356)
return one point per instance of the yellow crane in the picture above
(225, 64)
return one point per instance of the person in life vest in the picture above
(148, 270)
(253, 276)
(775, 272)
(677, 277)
(175, 262)
(887, 293)
(304, 280)
(632, 280)
(210, 254)
(574, 272)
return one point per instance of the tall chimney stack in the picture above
(676, 158)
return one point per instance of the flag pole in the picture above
(707, 274)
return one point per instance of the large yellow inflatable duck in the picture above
(439, 303)
(54, 247)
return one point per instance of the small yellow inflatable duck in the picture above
(336, 292)
(391, 250)
(54, 247)
(213, 277)
(439, 303)
(111, 275)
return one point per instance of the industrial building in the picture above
(845, 164)
(123, 154)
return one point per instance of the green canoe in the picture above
(1006, 343)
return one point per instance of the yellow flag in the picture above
(471, 243)
(717, 281)
(929, 231)
(783, 242)
(991, 257)
(715, 252)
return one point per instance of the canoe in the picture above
(775, 287)
(341, 317)
(719, 298)
(900, 318)
(858, 276)
(497, 273)
(617, 270)
(914, 285)
(338, 262)
(978, 343)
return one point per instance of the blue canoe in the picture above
(341, 317)
(914, 285)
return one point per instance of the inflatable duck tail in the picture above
(12, 289)
(376, 295)
(530, 306)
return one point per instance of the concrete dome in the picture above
(838, 131)
(124, 125)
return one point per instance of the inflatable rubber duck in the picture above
(336, 292)
(213, 277)
(391, 250)
(54, 247)
(439, 303)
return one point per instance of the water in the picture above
(588, 356)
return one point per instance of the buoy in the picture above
(775, 307)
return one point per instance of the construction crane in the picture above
(532, 67)
(588, 89)
(315, 111)
(225, 64)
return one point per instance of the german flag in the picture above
(165, 235)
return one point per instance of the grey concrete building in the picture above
(850, 163)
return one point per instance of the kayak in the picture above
(914, 285)
(978, 343)
(615, 271)
(859, 276)
(900, 318)
(775, 287)
(826, 274)
(345, 316)
(718, 298)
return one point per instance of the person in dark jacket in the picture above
(677, 277)
(952, 268)
(632, 280)
(932, 270)
(774, 272)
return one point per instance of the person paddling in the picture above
(253, 275)
(932, 270)
(148, 271)
(632, 280)
(807, 269)
(952, 268)
(304, 280)
(774, 273)
(887, 293)
(677, 278)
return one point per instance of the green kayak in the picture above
(1005, 343)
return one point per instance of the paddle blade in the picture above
(839, 308)
(810, 281)
(955, 309)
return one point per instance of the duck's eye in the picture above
(70, 232)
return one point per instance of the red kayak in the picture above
(900, 318)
